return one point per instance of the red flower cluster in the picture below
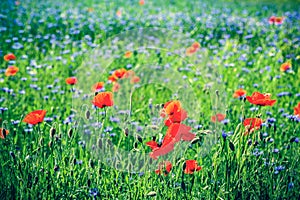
(120, 74)
(252, 124)
(176, 131)
(261, 99)
(276, 20)
(191, 166)
(192, 49)
(11, 70)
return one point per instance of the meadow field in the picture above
(149, 99)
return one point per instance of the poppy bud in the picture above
(70, 133)
(249, 142)
(139, 138)
(91, 163)
(4, 133)
(52, 132)
(36, 180)
(135, 145)
(292, 139)
(183, 185)
(231, 146)
(12, 155)
(100, 171)
(217, 93)
(57, 138)
(183, 166)
(99, 142)
(270, 125)
(87, 114)
(126, 131)
(56, 168)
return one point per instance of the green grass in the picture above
(237, 45)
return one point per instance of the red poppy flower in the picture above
(119, 13)
(191, 166)
(98, 86)
(279, 20)
(71, 80)
(142, 2)
(174, 111)
(180, 131)
(128, 54)
(239, 93)
(252, 124)
(196, 45)
(120, 72)
(152, 144)
(297, 110)
(9, 57)
(190, 51)
(272, 20)
(285, 66)
(2, 132)
(164, 167)
(35, 117)
(176, 117)
(11, 71)
(103, 99)
(174, 134)
(261, 99)
(167, 146)
(135, 79)
(113, 78)
(218, 117)
(172, 106)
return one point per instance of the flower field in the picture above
(144, 99)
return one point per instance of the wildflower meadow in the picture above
(149, 99)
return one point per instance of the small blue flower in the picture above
(224, 135)
(94, 192)
(275, 150)
(290, 185)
